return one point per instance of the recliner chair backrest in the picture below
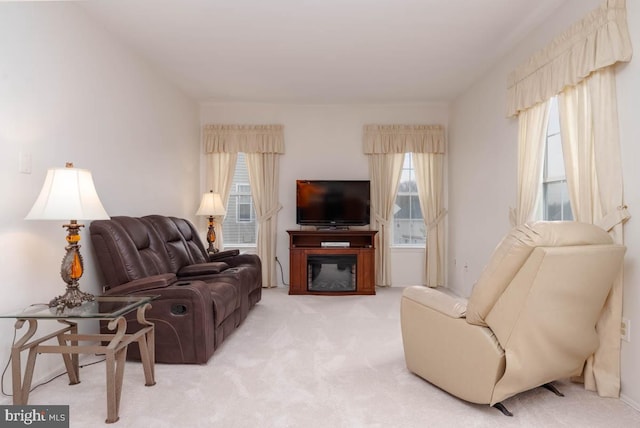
(180, 252)
(192, 240)
(514, 250)
(546, 318)
(128, 248)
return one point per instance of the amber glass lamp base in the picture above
(71, 270)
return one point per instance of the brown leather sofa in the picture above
(202, 298)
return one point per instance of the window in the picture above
(244, 203)
(239, 225)
(409, 228)
(555, 192)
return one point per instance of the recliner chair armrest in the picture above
(463, 359)
(439, 299)
(149, 283)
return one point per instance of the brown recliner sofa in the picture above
(202, 299)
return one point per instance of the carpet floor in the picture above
(315, 362)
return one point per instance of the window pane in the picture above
(409, 226)
(555, 197)
(239, 225)
(244, 208)
(553, 201)
(556, 201)
(555, 160)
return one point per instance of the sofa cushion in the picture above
(514, 250)
(203, 269)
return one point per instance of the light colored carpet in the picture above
(315, 362)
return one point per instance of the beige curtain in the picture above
(385, 172)
(577, 65)
(589, 127)
(263, 176)
(429, 168)
(386, 146)
(262, 144)
(531, 137)
(218, 177)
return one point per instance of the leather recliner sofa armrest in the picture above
(198, 269)
(143, 284)
(222, 255)
(244, 259)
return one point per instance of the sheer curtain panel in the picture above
(385, 178)
(263, 176)
(430, 180)
(589, 126)
(220, 168)
(531, 139)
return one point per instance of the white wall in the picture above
(71, 92)
(325, 142)
(628, 106)
(483, 163)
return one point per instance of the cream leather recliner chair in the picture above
(530, 318)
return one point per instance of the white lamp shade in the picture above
(68, 194)
(211, 205)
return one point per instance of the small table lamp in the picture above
(211, 205)
(69, 193)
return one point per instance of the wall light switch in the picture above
(24, 163)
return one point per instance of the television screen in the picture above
(332, 202)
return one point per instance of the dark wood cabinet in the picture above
(307, 247)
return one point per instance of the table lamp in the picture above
(69, 194)
(211, 205)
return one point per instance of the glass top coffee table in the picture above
(112, 345)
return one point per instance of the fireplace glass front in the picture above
(331, 272)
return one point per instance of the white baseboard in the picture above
(625, 399)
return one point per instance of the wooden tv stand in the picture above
(304, 245)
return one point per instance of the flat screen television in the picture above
(332, 203)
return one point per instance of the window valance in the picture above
(243, 138)
(403, 139)
(599, 40)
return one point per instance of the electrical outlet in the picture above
(625, 330)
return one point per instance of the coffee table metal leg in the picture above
(21, 386)
(146, 344)
(115, 359)
(70, 359)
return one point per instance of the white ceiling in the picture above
(322, 51)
